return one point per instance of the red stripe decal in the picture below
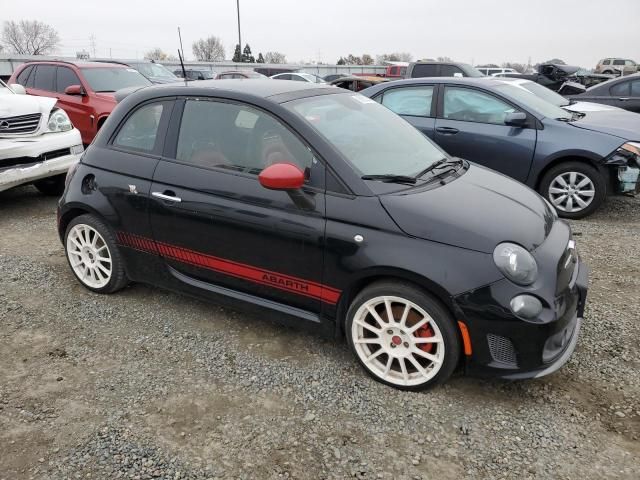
(239, 270)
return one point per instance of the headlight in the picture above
(59, 121)
(516, 263)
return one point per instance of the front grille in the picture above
(20, 124)
(502, 350)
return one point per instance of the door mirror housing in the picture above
(516, 119)
(282, 176)
(17, 88)
(74, 90)
(458, 75)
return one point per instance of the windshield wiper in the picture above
(441, 163)
(391, 178)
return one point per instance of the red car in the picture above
(85, 90)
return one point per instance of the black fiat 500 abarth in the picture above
(320, 207)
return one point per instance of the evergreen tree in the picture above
(246, 54)
(237, 55)
(260, 58)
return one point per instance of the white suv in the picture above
(38, 143)
(496, 71)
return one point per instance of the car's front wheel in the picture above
(93, 255)
(402, 336)
(575, 189)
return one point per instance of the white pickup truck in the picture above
(38, 143)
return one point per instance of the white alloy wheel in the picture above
(398, 341)
(571, 192)
(89, 256)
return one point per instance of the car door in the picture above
(633, 104)
(470, 124)
(42, 81)
(217, 227)
(413, 103)
(77, 106)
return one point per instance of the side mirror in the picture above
(74, 90)
(458, 75)
(516, 119)
(282, 176)
(17, 88)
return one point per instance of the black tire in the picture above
(441, 317)
(53, 186)
(587, 170)
(118, 279)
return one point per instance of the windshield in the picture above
(373, 139)
(544, 93)
(112, 79)
(155, 70)
(312, 78)
(533, 102)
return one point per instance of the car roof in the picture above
(480, 81)
(79, 64)
(261, 87)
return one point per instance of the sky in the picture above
(474, 31)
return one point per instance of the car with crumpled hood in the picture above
(38, 143)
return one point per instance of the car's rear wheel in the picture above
(93, 255)
(402, 336)
(575, 189)
(53, 186)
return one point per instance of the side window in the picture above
(629, 63)
(284, 77)
(618, 62)
(236, 137)
(409, 101)
(424, 70)
(140, 130)
(65, 78)
(620, 90)
(474, 106)
(24, 75)
(607, 62)
(450, 70)
(45, 76)
(635, 88)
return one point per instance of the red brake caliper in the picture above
(425, 332)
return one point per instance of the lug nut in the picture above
(393, 345)
(406, 344)
(390, 332)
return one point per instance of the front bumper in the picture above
(25, 160)
(505, 346)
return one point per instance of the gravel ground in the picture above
(149, 384)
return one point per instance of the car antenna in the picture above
(184, 72)
(180, 56)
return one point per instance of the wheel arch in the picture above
(371, 276)
(74, 211)
(592, 162)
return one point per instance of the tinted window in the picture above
(409, 101)
(450, 70)
(45, 75)
(607, 62)
(236, 137)
(635, 88)
(24, 75)
(284, 76)
(474, 106)
(140, 129)
(111, 79)
(620, 90)
(618, 62)
(65, 78)
(424, 70)
(225, 76)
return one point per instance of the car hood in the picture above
(591, 107)
(163, 80)
(17, 105)
(477, 211)
(621, 123)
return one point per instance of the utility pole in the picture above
(92, 42)
(239, 37)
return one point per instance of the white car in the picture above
(299, 77)
(38, 143)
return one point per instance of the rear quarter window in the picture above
(139, 132)
(424, 71)
(23, 76)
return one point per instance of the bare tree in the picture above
(156, 54)
(444, 59)
(29, 37)
(367, 59)
(518, 67)
(208, 49)
(275, 57)
(394, 57)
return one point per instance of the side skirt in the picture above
(245, 297)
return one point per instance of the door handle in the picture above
(167, 198)
(624, 99)
(447, 130)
